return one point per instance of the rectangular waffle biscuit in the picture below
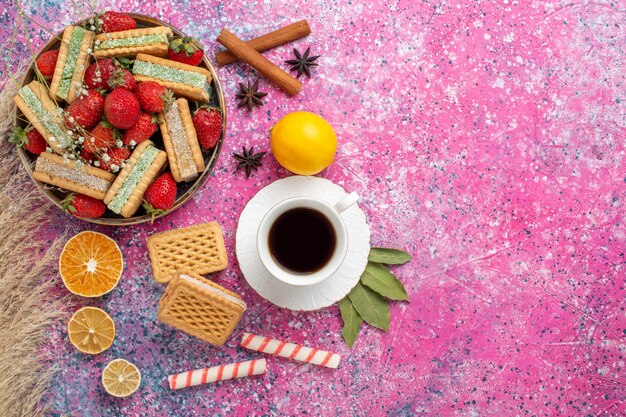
(72, 63)
(52, 169)
(181, 143)
(197, 248)
(201, 308)
(128, 43)
(44, 114)
(126, 193)
(184, 80)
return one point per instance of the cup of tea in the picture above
(303, 240)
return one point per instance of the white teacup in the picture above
(332, 213)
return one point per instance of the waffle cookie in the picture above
(201, 308)
(53, 169)
(72, 63)
(128, 43)
(126, 193)
(198, 248)
(181, 142)
(184, 80)
(43, 113)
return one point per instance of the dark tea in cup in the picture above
(302, 240)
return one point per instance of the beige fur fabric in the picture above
(26, 307)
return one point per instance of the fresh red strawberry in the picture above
(80, 205)
(47, 62)
(87, 156)
(145, 127)
(123, 79)
(116, 22)
(186, 50)
(160, 195)
(121, 108)
(208, 125)
(97, 74)
(30, 139)
(113, 158)
(86, 111)
(103, 137)
(153, 97)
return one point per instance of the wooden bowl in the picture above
(185, 190)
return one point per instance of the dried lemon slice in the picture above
(91, 264)
(91, 330)
(121, 378)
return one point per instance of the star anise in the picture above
(250, 96)
(248, 160)
(302, 63)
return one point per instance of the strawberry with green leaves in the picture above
(81, 205)
(97, 74)
(153, 97)
(47, 62)
(185, 50)
(208, 124)
(122, 78)
(102, 137)
(87, 110)
(29, 139)
(145, 127)
(160, 195)
(113, 158)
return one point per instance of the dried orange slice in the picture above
(121, 378)
(91, 330)
(91, 264)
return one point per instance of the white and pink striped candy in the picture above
(290, 350)
(217, 373)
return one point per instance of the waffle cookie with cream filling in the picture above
(126, 193)
(181, 142)
(184, 80)
(72, 63)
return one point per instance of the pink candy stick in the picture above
(290, 350)
(217, 373)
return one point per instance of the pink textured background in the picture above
(486, 138)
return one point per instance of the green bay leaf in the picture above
(388, 256)
(378, 278)
(351, 321)
(371, 306)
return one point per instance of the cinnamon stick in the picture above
(259, 62)
(270, 40)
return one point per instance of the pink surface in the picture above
(487, 139)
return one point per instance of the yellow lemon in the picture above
(303, 142)
(121, 378)
(91, 330)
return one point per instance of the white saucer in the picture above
(310, 297)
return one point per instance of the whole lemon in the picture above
(303, 142)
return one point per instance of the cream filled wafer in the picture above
(126, 193)
(198, 248)
(181, 142)
(44, 114)
(290, 350)
(217, 373)
(201, 308)
(72, 63)
(128, 43)
(70, 175)
(185, 80)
